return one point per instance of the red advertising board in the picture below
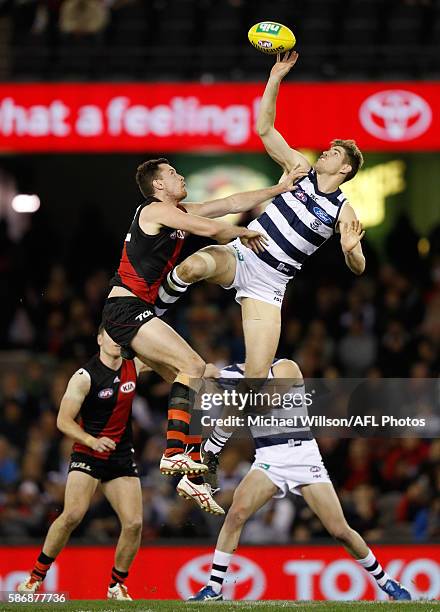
(286, 573)
(194, 117)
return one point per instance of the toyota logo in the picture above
(244, 580)
(395, 115)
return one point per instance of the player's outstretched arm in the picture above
(247, 200)
(352, 232)
(76, 392)
(273, 141)
(222, 232)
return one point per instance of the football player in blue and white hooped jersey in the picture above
(296, 223)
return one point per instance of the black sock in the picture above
(117, 577)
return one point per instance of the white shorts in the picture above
(254, 278)
(289, 467)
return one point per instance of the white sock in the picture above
(373, 567)
(219, 568)
(217, 440)
(170, 291)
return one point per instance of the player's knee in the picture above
(192, 269)
(288, 369)
(133, 526)
(340, 531)
(237, 516)
(72, 518)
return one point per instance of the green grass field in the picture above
(228, 606)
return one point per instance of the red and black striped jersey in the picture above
(106, 410)
(147, 259)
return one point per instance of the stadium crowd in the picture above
(113, 39)
(385, 323)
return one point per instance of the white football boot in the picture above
(29, 585)
(202, 494)
(181, 464)
(119, 592)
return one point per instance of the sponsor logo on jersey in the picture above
(300, 195)
(395, 115)
(81, 465)
(283, 268)
(268, 27)
(315, 224)
(117, 379)
(128, 387)
(263, 466)
(238, 253)
(105, 393)
(321, 214)
(315, 468)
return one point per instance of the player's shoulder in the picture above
(80, 380)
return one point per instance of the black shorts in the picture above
(103, 469)
(123, 316)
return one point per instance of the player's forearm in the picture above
(266, 114)
(242, 202)
(71, 429)
(355, 261)
(228, 232)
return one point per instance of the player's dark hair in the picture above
(353, 155)
(101, 328)
(146, 173)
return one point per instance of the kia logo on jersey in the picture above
(105, 393)
(128, 387)
(245, 579)
(395, 115)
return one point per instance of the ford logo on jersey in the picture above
(105, 393)
(321, 214)
(128, 387)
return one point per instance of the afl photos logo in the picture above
(128, 387)
(395, 115)
(244, 580)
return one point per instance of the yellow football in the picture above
(271, 37)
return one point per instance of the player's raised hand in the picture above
(287, 181)
(254, 240)
(284, 64)
(351, 235)
(104, 444)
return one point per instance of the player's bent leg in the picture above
(80, 488)
(323, 501)
(216, 264)
(125, 497)
(158, 342)
(261, 328)
(253, 492)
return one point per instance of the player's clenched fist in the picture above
(103, 444)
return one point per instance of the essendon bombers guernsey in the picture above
(106, 410)
(147, 259)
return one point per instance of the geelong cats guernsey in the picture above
(106, 410)
(297, 223)
(147, 259)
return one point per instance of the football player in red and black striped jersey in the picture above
(150, 252)
(101, 394)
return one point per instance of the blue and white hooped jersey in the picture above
(297, 223)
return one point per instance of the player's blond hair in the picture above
(353, 155)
